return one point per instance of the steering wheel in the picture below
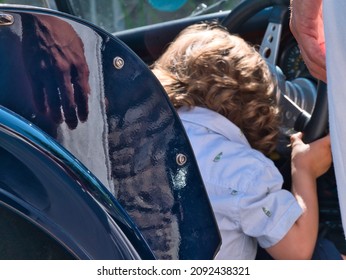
(317, 124)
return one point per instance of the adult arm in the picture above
(306, 24)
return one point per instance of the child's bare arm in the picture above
(309, 161)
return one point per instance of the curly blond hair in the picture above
(206, 66)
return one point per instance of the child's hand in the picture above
(314, 158)
(309, 161)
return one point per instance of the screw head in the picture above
(181, 159)
(6, 19)
(118, 62)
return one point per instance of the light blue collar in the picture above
(213, 121)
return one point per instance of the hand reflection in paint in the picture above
(54, 57)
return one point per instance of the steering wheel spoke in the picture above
(269, 48)
(270, 45)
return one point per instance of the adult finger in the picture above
(80, 80)
(53, 102)
(67, 98)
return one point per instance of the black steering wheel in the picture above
(317, 124)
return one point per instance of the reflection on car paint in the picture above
(117, 122)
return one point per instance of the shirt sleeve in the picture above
(267, 212)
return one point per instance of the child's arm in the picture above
(308, 162)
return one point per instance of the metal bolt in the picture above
(118, 62)
(181, 159)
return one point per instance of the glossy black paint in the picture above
(46, 185)
(115, 118)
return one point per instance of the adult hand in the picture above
(54, 56)
(306, 24)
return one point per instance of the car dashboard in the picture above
(149, 42)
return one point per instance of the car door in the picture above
(89, 92)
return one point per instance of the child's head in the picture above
(208, 67)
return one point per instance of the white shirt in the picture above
(244, 186)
